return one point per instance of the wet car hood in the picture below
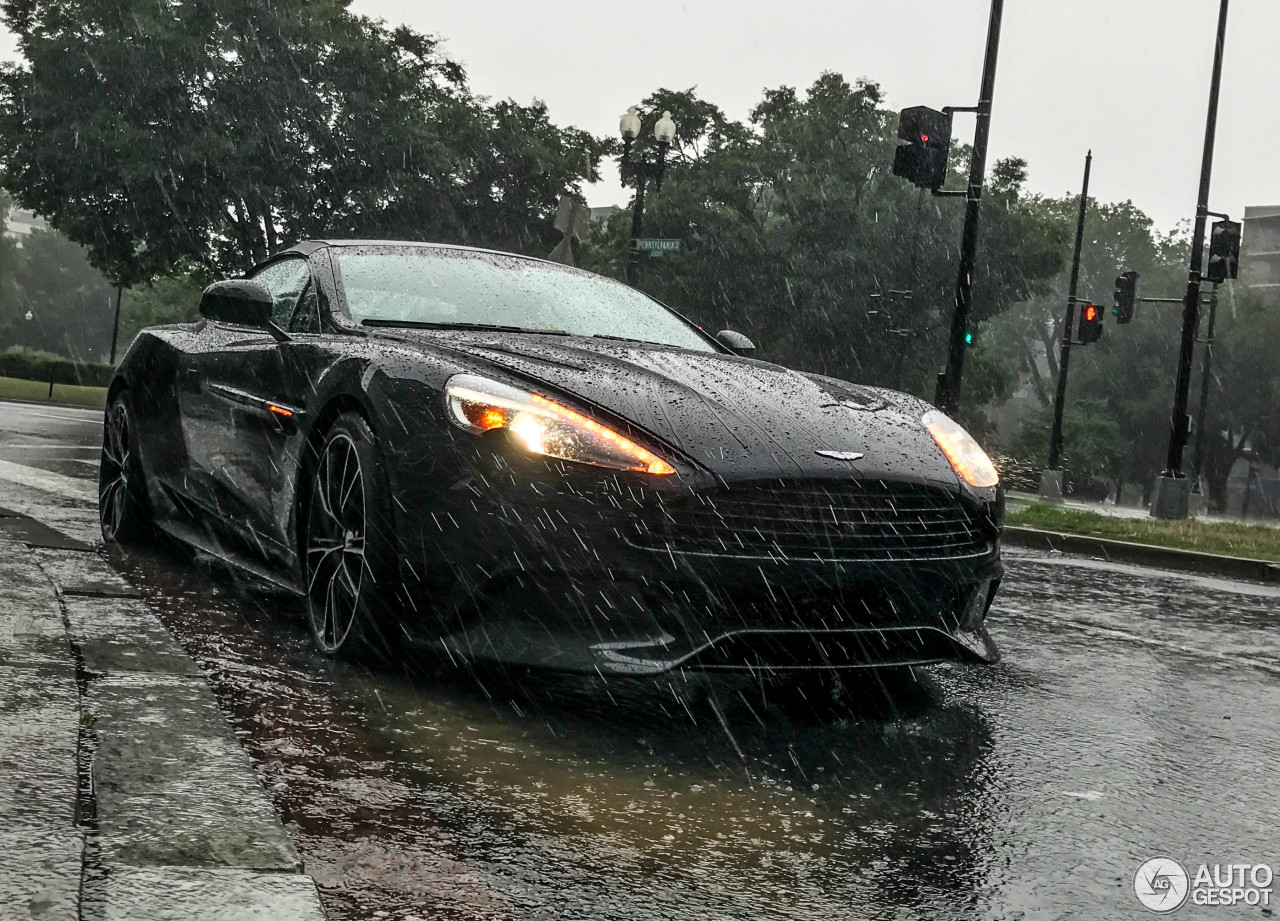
(736, 416)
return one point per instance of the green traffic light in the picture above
(968, 338)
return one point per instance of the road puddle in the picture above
(416, 789)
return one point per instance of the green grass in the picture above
(11, 388)
(1253, 541)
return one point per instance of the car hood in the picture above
(735, 416)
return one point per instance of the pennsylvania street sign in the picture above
(657, 245)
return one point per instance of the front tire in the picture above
(346, 543)
(122, 501)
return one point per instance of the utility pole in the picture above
(947, 396)
(115, 327)
(1051, 477)
(1172, 495)
(1197, 468)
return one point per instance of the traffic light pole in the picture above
(1172, 495)
(1197, 468)
(947, 396)
(1051, 478)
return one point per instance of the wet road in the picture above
(1136, 713)
(62, 439)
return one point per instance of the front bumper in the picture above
(531, 562)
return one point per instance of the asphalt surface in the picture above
(1136, 714)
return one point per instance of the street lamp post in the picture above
(637, 171)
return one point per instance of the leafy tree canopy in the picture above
(795, 233)
(159, 132)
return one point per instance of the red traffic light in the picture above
(924, 138)
(1090, 328)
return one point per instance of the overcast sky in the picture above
(1128, 78)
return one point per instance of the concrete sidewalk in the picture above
(123, 790)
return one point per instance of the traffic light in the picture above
(1126, 295)
(1224, 251)
(924, 137)
(1090, 328)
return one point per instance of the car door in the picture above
(241, 406)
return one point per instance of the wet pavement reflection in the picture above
(1134, 715)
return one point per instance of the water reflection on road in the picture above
(1034, 787)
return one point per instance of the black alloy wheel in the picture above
(121, 501)
(344, 540)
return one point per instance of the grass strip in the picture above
(11, 388)
(1256, 542)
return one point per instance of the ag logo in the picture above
(1161, 885)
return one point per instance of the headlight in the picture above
(967, 459)
(543, 426)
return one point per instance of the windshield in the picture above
(465, 288)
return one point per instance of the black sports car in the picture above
(513, 460)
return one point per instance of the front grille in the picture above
(817, 520)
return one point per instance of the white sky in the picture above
(1128, 78)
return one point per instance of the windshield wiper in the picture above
(483, 327)
(622, 338)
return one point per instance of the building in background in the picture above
(20, 223)
(604, 213)
(1260, 247)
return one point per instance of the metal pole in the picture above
(637, 229)
(1060, 397)
(1178, 423)
(948, 393)
(1197, 467)
(115, 328)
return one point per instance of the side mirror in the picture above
(735, 342)
(242, 302)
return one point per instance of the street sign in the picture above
(657, 245)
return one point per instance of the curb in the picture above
(1232, 567)
(135, 797)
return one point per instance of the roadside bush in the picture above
(31, 365)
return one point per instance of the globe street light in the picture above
(638, 170)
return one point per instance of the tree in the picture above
(1127, 375)
(173, 298)
(1243, 418)
(164, 133)
(72, 305)
(70, 302)
(1097, 445)
(9, 294)
(795, 232)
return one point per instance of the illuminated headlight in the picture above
(543, 426)
(966, 457)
